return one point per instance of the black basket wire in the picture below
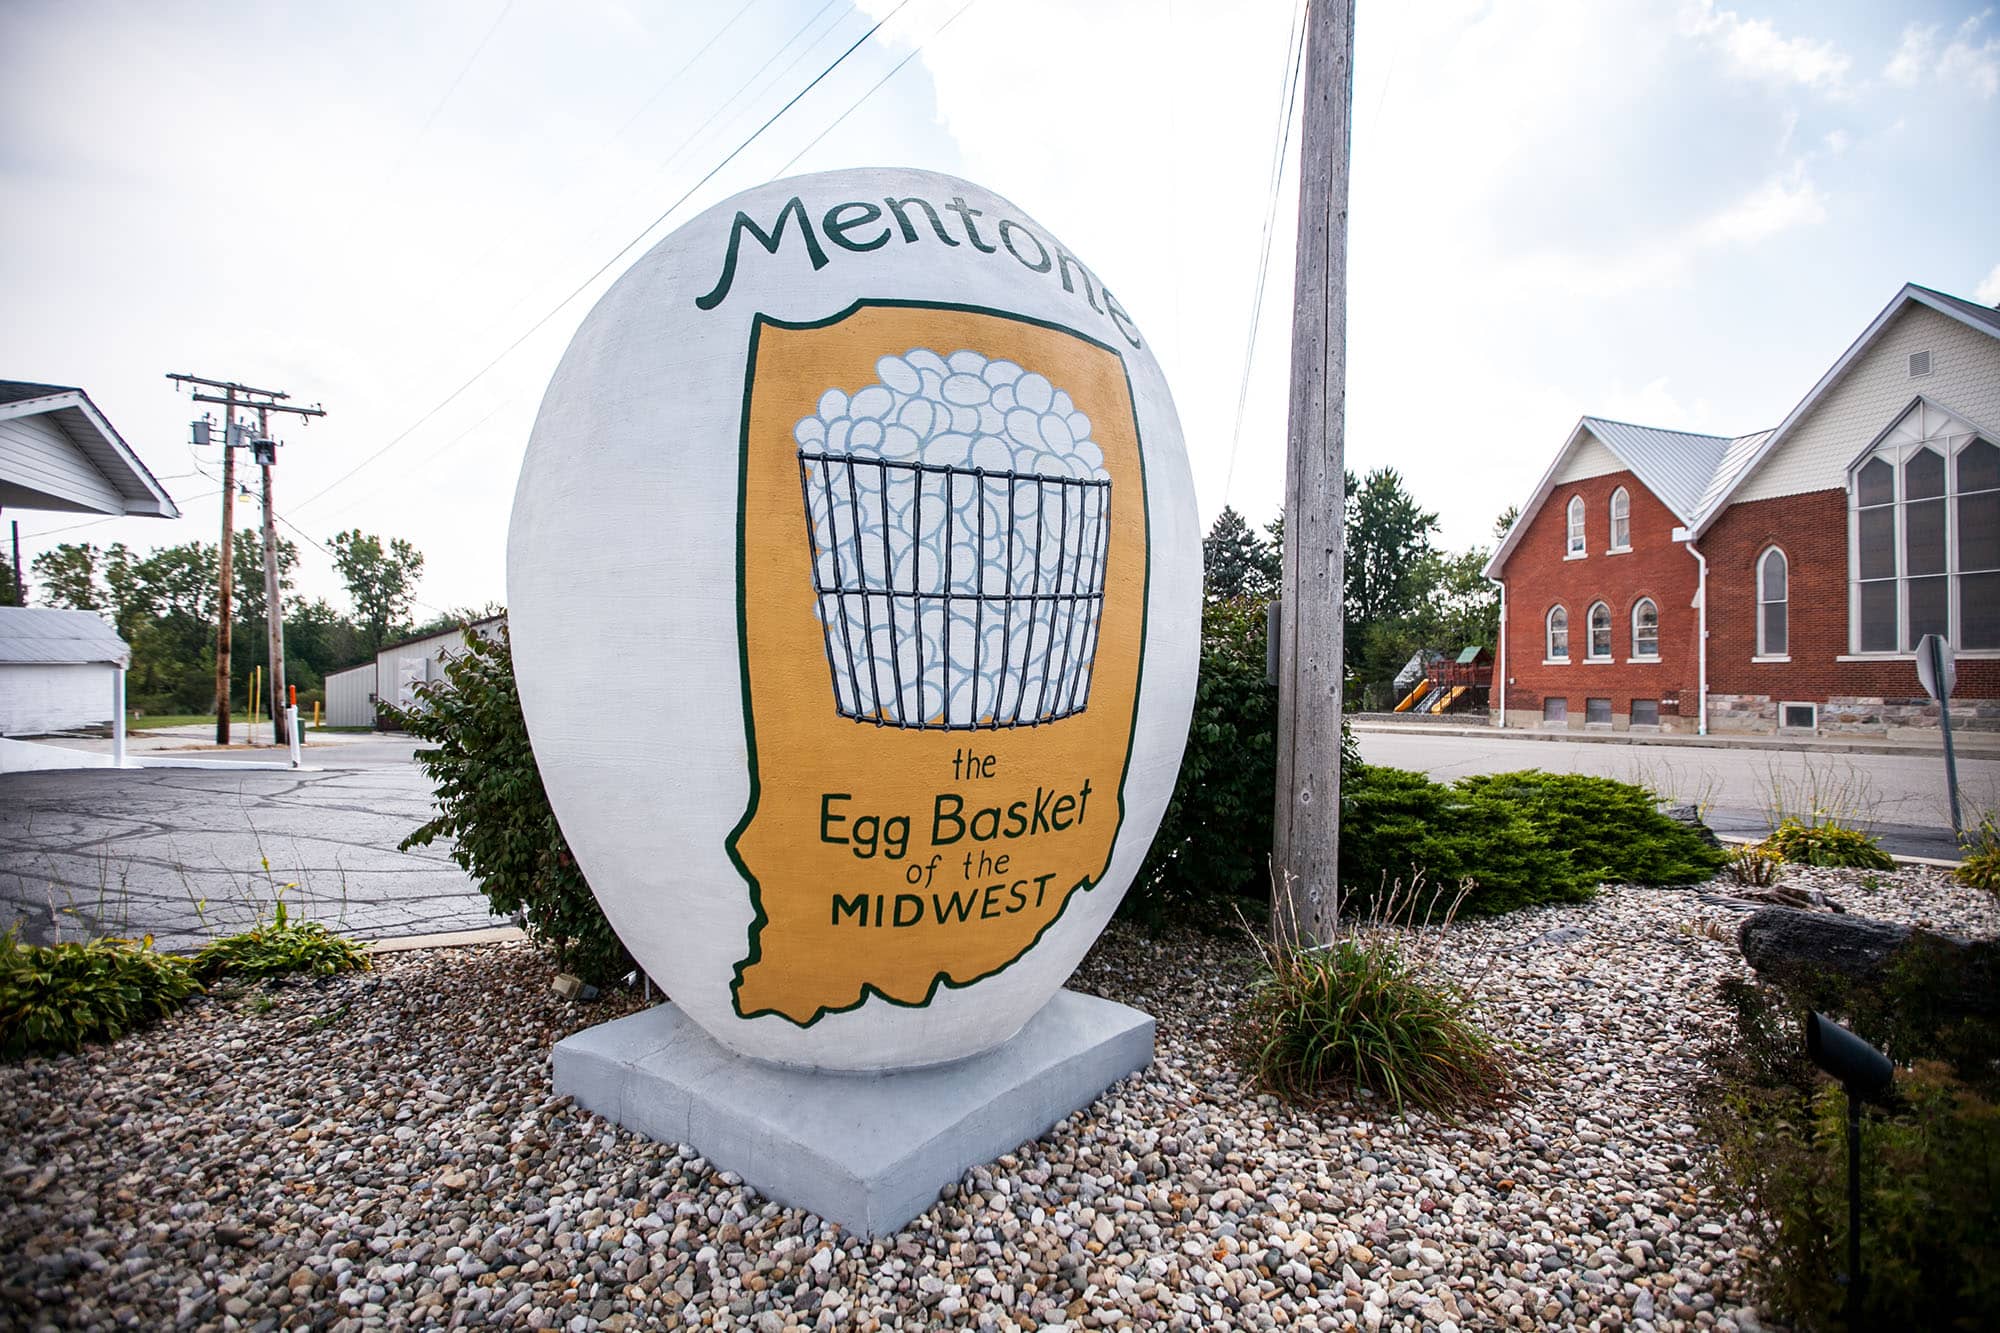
(955, 598)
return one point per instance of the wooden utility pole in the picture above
(225, 563)
(266, 401)
(274, 615)
(1305, 856)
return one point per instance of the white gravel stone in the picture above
(246, 1167)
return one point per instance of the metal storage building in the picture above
(59, 670)
(393, 677)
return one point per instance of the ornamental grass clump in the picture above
(1827, 842)
(1366, 1013)
(56, 997)
(279, 947)
(1980, 868)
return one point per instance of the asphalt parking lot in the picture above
(182, 853)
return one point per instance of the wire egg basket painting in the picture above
(958, 517)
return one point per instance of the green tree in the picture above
(68, 575)
(381, 580)
(247, 574)
(7, 597)
(1236, 562)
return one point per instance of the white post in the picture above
(1502, 667)
(117, 717)
(292, 732)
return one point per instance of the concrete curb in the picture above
(1975, 749)
(450, 939)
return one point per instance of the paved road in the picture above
(1899, 797)
(178, 852)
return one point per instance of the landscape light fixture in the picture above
(1866, 1075)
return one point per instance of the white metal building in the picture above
(59, 670)
(58, 453)
(393, 677)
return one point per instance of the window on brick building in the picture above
(1645, 628)
(1774, 630)
(1558, 635)
(1621, 520)
(1600, 632)
(1645, 712)
(1925, 535)
(1597, 712)
(1555, 710)
(1576, 525)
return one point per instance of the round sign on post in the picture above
(854, 585)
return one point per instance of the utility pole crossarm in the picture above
(266, 401)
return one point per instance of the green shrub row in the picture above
(57, 997)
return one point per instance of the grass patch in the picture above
(56, 997)
(280, 947)
(154, 721)
(1981, 867)
(1365, 1013)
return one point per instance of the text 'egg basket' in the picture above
(955, 597)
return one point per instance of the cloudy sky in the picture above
(1675, 213)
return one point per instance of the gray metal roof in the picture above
(19, 391)
(1985, 315)
(43, 634)
(1741, 450)
(1675, 465)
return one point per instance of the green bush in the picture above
(1827, 843)
(1214, 841)
(1362, 1013)
(281, 946)
(1930, 1159)
(57, 997)
(494, 814)
(1981, 867)
(1521, 839)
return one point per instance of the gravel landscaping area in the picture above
(383, 1150)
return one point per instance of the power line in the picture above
(607, 265)
(113, 518)
(673, 78)
(1264, 253)
(914, 53)
(445, 100)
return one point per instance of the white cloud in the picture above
(1963, 62)
(1756, 49)
(1777, 205)
(1988, 290)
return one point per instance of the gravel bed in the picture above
(383, 1151)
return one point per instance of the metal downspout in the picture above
(1505, 666)
(1701, 641)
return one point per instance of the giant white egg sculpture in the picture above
(854, 584)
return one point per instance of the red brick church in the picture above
(1777, 581)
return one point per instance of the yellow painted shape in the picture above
(802, 961)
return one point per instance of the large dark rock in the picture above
(1690, 815)
(1775, 938)
(1781, 940)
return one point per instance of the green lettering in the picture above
(939, 817)
(855, 906)
(961, 907)
(836, 229)
(769, 240)
(827, 819)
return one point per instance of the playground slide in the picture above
(1410, 699)
(1448, 698)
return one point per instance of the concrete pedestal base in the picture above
(869, 1151)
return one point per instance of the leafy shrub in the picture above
(1753, 867)
(1363, 1012)
(1521, 838)
(494, 813)
(1981, 866)
(1827, 843)
(281, 946)
(1930, 1160)
(57, 997)
(1214, 841)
